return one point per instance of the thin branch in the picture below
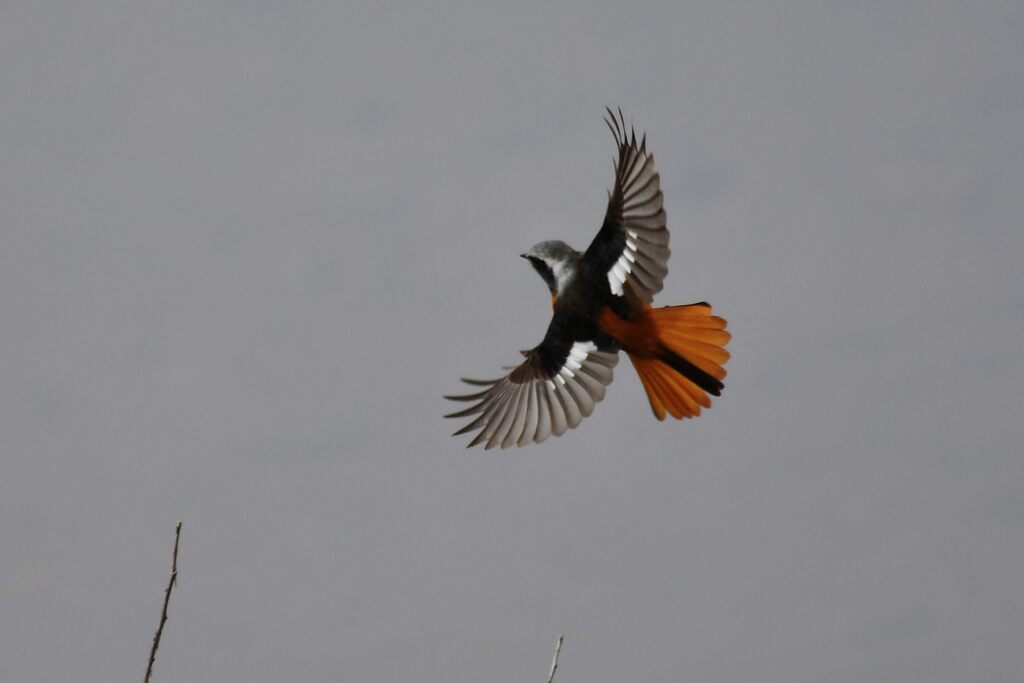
(167, 600)
(554, 662)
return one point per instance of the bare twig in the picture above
(554, 662)
(167, 600)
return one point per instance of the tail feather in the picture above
(677, 352)
(653, 392)
(689, 395)
(693, 373)
(661, 391)
(668, 391)
(707, 357)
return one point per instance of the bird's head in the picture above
(555, 261)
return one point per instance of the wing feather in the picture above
(634, 229)
(530, 403)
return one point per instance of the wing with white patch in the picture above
(632, 245)
(549, 393)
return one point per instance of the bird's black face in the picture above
(544, 270)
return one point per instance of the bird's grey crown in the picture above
(553, 250)
(555, 261)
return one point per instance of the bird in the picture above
(601, 303)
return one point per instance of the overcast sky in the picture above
(246, 247)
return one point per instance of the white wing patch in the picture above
(619, 273)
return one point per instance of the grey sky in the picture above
(244, 249)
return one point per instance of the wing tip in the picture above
(625, 136)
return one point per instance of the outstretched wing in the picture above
(632, 245)
(557, 385)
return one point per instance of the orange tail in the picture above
(678, 353)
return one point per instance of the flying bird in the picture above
(601, 301)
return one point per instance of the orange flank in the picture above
(677, 352)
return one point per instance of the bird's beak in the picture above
(524, 256)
